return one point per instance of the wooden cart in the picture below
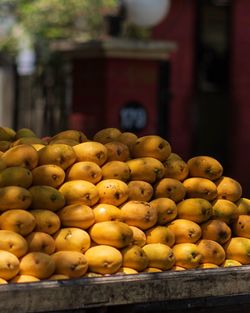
(198, 290)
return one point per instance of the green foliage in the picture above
(47, 20)
(63, 19)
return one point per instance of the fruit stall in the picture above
(118, 222)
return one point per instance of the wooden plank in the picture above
(116, 48)
(49, 296)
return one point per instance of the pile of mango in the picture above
(113, 204)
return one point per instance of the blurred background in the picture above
(179, 68)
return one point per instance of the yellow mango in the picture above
(113, 233)
(24, 155)
(48, 174)
(59, 154)
(79, 191)
(14, 197)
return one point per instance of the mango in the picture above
(187, 255)
(85, 170)
(14, 197)
(140, 190)
(46, 221)
(70, 264)
(134, 257)
(184, 230)
(37, 264)
(40, 242)
(13, 242)
(103, 259)
(159, 255)
(46, 198)
(106, 135)
(59, 154)
(148, 169)
(198, 187)
(48, 174)
(211, 251)
(197, 210)
(112, 233)
(170, 188)
(19, 221)
(9, 265)
(116, 170)
(205, 166)
(72, 134)
(77, 215)
(151, 146)
(72, 239)
(166, 210)
(23, 155)
(91, 151)
(79, 191)
(139, 213)
(117, 151)
(228, 188)
(106, 212)
(160, 234)
(16, 176)
(112, 191)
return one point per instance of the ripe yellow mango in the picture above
(71, 264)
(151, 146)
(37, 264)
(148, 169)
(59, 154)
(79, 191)
(91, 151)
(85, 170)
(9, 265)
(107, 134)
(166, 210)
(19, 221)
(77, 215)
(40, 242)
(112, 233)
(197, 210)
(170, 188)
(159, 255)
(140, 190)
(134, 257)
(205, 166)
(46, 221)
(72, 239)
(14, 197)
(116, 170)
(103, 259)
(48, 174)
(184, 230)
(24, 155)
(139, 213)
(112, 191)
(13, 242)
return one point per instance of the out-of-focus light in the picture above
(146, 13)
(26, 62)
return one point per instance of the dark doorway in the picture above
(212, 103)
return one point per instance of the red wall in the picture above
(179, 26)
(102, 86)
(240, 94)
